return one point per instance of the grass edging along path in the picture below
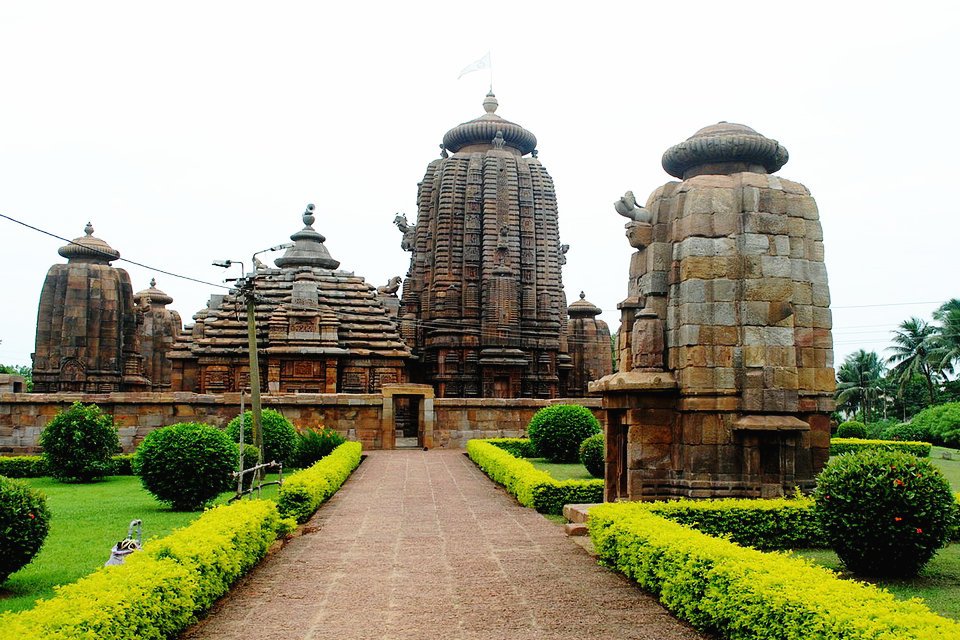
(210, 554)
(531, 486)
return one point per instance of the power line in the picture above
(110, 256)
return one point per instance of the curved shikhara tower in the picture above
(483, 302)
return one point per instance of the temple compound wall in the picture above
(726, 379)
(368, 418)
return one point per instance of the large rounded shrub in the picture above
(186, 464)
(852, 429)
(314, 444)
(557, 431)
(24, 524)
(279, 436)
(907, 431)
(79, 442)
(885, 513)
(937, 421)
(591, 455)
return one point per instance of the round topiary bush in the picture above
(279, 436)
(557, 431)
(591, 454)
(79, 442)
(906, 431)
(186, 464)
(885, 513)
(314, 444)
(24, 524)
(852, 429)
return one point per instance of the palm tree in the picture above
(859, 382)
(947, 348)
(914, 352)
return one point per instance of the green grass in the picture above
(572, 471)
(950, 468)
(938, 584)
(87, 520)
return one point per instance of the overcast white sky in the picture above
(194, 131)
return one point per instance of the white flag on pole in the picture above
(482, 63)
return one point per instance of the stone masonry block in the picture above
(814, 231)
(766, 223)
(768, 289)
(754, 312)
(709, 267)
(751, 199)
(782, 245)
(802, 207)
(704, 247)
(755, 243)
(776, 266)
(773, 201)
(722, 289)
(820, 295)
(822, 318)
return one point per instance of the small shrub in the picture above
(591, 455)
(885, 513)
(557, 431)
(24, 524)
(79, 442)
(852, 429)
(303, 493)
(279, 436)
(186, 464)
(314, 445)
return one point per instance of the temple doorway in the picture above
(406, 417)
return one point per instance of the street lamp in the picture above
(246, 287)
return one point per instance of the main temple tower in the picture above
(483, 302)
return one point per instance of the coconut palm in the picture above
(947, 348)
(915, 352)
(859, 383)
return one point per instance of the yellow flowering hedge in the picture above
(846, 445)
(531, 487)
(303, 492)
(741, 593)
(157, 592)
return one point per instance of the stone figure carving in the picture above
(627, 207)
(408, 230)
(443, 152)
(391, 288)
(498, 140)
(563, 253)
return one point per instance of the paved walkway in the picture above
(423, 545)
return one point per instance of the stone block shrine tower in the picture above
(483, 307)
(726, 380)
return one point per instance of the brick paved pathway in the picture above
(422, 545)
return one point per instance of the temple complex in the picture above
(88, 329)
(483, 307)
(588, 343)
(725, 380)
(320, 330)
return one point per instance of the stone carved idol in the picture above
(408, 230)
(627, 207)
(391, 288)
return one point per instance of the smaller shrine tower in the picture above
(160, 329)
(87, 325)
(588, 343)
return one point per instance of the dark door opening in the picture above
(406, 417)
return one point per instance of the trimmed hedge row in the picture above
(531, 487)
(762, 524)
(517, 447)
(303, 492)
(156, 592)
(847, 445)
(36, 467)
(738, 592)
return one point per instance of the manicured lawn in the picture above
(938, 584)
(573, 471)
(950, 468)
(87, 520)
